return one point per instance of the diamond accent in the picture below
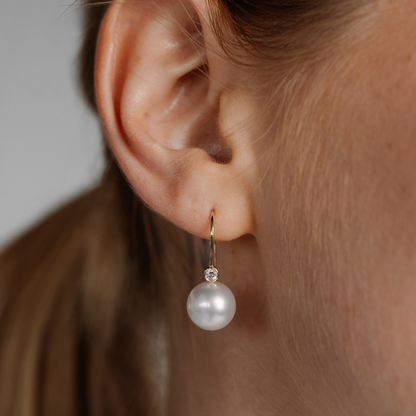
(211, 274)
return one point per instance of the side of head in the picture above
(293, 129)
(295, 121)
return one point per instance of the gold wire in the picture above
(212, 244)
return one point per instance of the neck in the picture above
(264, 362)
(234, 371)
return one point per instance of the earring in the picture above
(211, 305)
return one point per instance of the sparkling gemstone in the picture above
(211, 306)
(211, 274)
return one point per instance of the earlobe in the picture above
(159, 106)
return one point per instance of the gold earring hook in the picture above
(212, 244)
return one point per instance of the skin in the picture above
(317, 225)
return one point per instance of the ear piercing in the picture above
(211, 305)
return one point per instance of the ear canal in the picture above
(208, 137)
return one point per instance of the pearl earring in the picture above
(211, 305)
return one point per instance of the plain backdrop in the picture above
(50, 143)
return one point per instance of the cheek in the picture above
(379, 117)
(376, 118)
(381, 112)
(343, 238)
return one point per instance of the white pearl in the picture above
(211, 306)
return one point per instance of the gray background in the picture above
(50, 145)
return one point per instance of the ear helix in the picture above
(211, 305)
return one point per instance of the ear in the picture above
(166, 98)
